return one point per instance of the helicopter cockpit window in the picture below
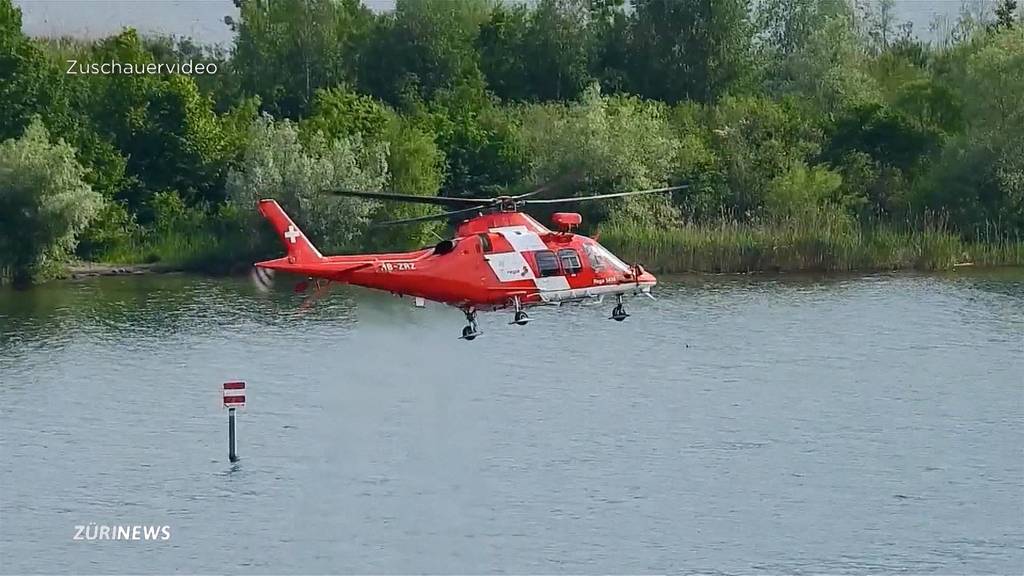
(485, 242)
(595, 262)
(596, 252)
(547, 263)
(570, 260)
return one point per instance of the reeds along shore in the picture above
(822, 244)
(729, 246)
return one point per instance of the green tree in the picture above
(992, 82)
(609, 30)
(802, 192)
(690, 49)
(1005, 14)
(415, 163)
(44, 203)
(559, 50)
(886, 135)
(421, 48)
(784, 27)
(29, 82)
(478, 140)
(825, 68)
(340, 112)
(286, 49)
(977, 179)
(163, 125)
(277, 165)
(756, 140)
(613, 144)
(223, 87)
(535, 54)
(502, 43)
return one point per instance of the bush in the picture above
(614, 143)
(277, 165)
(802, 192)
(44, 204)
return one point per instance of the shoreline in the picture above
(80, 270)
(85, 270)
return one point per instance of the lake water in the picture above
(776, 425)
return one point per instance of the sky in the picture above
(203, 20)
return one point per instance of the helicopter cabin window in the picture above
(595, 261)
(570, 261)
(547, 263)
(485, 243)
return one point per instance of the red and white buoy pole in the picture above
(234, 397)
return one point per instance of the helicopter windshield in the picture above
(600, 257)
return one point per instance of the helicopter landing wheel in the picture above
(470, 332)
(520, 318)
(619, 312)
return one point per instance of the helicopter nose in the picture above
(646, 277)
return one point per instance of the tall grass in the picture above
(190, 240)
(198, 250)
(822, 244)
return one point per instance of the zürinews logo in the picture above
(93, 531)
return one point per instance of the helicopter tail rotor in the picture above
(262, 278)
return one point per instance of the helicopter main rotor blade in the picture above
(429, 217)
(605, 196)
(412, 198)
(550, 185)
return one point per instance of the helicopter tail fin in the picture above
(300, 249)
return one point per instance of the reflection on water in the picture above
(737, 424)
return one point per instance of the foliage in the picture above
(338, 112)
(824, 124)
(416, 165)
(801, 193)
(978, 177)
(29, 84)
(823, 66)
(423, 47)
(756, 139)
(163, 126)
(44, 203)
(827, 243)
(539, 54)
(1005, 12)
(885, 135)
(613, 144)
(414, 160)
(478, 140)
(277, 165)
(689, 49)
(287, 49)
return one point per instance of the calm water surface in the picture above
(853, 425)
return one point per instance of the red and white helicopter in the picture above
(499, 258)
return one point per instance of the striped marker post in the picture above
(234, 397)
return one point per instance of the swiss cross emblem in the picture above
(292, 233)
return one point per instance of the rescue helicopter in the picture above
(499, 257)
